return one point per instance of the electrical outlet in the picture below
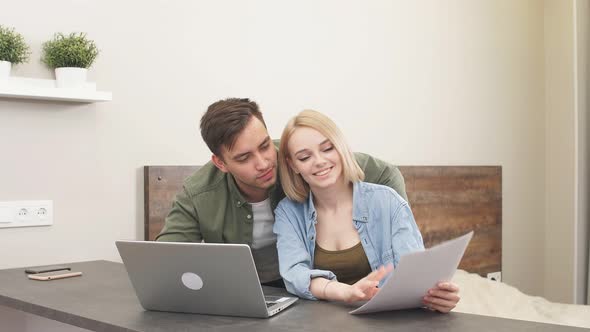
(495, 276)
(23, 214)
(26, 213)
(42, 213)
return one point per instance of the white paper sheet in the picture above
(415, 274)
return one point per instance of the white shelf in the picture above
(41, 89)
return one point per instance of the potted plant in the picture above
(71, 56)
(13, 50)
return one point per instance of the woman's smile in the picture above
(323, 172)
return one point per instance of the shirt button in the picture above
(239, 203)
(249, 216)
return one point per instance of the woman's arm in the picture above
(405, 235)
(362, 290)
(443, 298)
(295, 262)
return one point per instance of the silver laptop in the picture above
(203, 278)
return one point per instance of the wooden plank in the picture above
(161, 184)
(447, 201)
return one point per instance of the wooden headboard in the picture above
(447, 201)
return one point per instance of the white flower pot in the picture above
(70, 77)
(5, 69)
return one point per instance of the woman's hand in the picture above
(366, 288)
(443, 298)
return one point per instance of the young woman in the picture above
(337, 236)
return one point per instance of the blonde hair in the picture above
(293, 184)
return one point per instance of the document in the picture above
(415, 274)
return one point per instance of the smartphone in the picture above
(35, 270)
(54, 275)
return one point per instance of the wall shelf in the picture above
(43, 89)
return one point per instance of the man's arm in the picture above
(182, 222)
(380, 172)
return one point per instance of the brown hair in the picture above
(293, 184)
(225, 119)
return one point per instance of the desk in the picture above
(18, 321)
(103, 299)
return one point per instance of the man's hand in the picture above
(443, 298)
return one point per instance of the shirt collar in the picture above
(275, 192)
(311, 213)
(237, 197)
(360, 210)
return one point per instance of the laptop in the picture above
(202, 278)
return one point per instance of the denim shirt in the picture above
(383, 219)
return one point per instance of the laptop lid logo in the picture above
(192, 281)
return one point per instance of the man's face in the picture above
(252, 161)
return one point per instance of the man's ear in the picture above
(218, 162)
(290, 163)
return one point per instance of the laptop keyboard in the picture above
(271, 300)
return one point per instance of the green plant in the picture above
(12, 46)
(73, 50)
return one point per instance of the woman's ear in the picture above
(290, 163)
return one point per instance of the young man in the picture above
(232, 198)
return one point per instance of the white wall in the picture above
(455, 82)
(560, 157)
(582, 226)
(566, 76)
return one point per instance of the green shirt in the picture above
(210, 208)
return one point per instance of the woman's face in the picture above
(313, 156)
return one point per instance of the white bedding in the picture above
(491, 298)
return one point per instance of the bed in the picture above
(447, 201)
